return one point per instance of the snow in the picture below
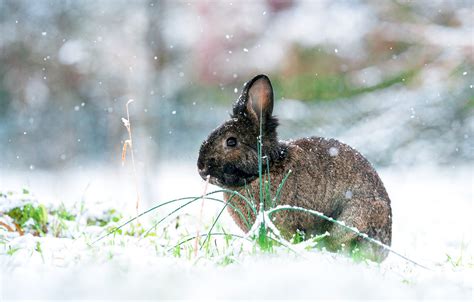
(333, 151)
(10, 200)
(348, 194)
(72, 52)
(262, 278)
(432, 208)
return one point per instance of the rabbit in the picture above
(326, 175)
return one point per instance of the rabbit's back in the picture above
(331, 171)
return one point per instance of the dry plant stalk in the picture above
(19, 229)
(129, 143)
(200, 216)
(9, 228)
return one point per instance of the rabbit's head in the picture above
(229, 155)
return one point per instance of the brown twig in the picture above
(129, 142)
(19, 229)
(9, 228)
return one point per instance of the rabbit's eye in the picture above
(231, 142)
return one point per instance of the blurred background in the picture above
(394, 79)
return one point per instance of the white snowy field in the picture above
(432, 225)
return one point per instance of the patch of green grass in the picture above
(455, 261)
(12, 250)
(357, 253)
(39, 250)
(263, 239)
(29, 212)
(317, 242)
(459, 260)
(177, 251)
(37, 219)
(226, 261)
(63, 213)
(137, 229)
(298, 237)
(111, 215)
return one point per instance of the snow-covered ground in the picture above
(432, 224)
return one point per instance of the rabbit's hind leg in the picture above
(367, 217)
(355, 215)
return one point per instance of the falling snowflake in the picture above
(333, 151)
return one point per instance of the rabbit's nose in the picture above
(202, 169)
(200, 165)
(203, 172)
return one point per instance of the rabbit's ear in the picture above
(256, 99)
(260, 96)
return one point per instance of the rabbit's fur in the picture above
(326, 175)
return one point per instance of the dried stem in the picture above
(9, 228)
(129, 142)
(19, 229)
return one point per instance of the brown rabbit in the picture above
(326, 175)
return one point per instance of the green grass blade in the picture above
(277, 195)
